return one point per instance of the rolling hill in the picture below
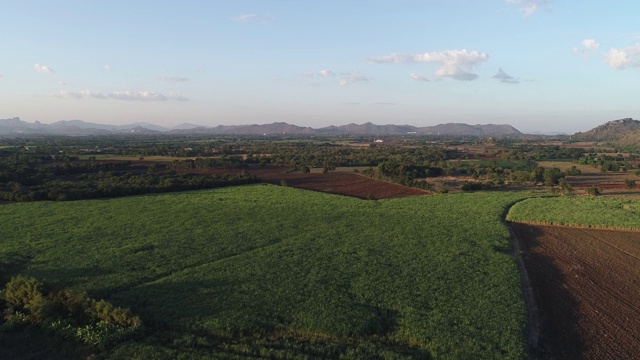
(611, 131)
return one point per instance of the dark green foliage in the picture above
(473, 186)
(68, 314)
(594, 190)
(574, 171)
(630, 184)
(552, 176)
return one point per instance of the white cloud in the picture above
(252, 19)
(1, 76)
(177, 97)
(137, 96)
(529, 7)
(121, 95)
(624, 57)
(108, 67)
(590, 44)
(322, 73)
(505, 78)
(245, 18)
(415, 76)
(42, 69)
(588, 47)
(80, 94)
(352, 79)
(173, 78)
(456, 64)
(326, 73)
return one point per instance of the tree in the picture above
(551, 176)
(573, 171)
(630, 184)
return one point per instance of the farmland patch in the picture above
(585, 283)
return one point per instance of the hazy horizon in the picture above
(538, 65)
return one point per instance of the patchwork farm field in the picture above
(344, 182)
(266, 271)
(585, 283)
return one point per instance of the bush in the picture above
(69, 314)
(630, 184)
(25, 294)
(594, 190)
(472, 186)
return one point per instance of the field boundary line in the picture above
(577, 226)
(533, 316)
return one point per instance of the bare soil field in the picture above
(611, 182)
(335, 182)
(586, 285)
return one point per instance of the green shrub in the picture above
(69, 314)
(594, 190)
(630, 184)
(24, 293)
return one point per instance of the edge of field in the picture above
(619, 214)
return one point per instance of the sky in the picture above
(539, 65)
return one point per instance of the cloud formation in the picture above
(173, 78)
(144, 96)
(529, 7)
(505, 78)
(588, 47)
(176, 97)
(326, 73)
(417, 77)
(80, 94)
(251, 19)
(623, 58)
(42, 69)
(352, 79)
(456, 64)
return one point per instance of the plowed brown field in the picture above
(586, 285)
(342, 183)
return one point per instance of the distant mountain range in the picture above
(17, 127)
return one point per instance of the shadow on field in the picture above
(557, 308)
(229, 318)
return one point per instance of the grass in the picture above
(267, 271)
(614, 213)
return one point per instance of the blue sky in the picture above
(539, 65)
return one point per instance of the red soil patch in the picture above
(580, 185)
(586, 284)
(341, 183)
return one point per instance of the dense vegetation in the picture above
(59, 168)
(275, 272)
(33, 174)
(615, 213)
